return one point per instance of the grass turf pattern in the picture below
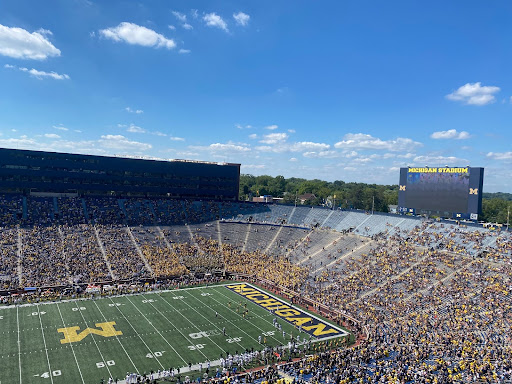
(83, 341)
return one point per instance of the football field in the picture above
(84, 341)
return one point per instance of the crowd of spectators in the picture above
(436, 300)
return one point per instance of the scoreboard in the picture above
(441, 191)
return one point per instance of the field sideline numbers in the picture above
(196, 347)
(155, 354)
(78, 309)
(101, 364)
(46, 375)
(37, 313)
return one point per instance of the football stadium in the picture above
(117, 270)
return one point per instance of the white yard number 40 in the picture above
(47, 375)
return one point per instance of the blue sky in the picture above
(335, 90)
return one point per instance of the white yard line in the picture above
(95, 343)
(117, 338)
(19, 343)
(279, 341)
(138, 334)
(45, 347)
(156, 358)
(195, 326)
(71, 345)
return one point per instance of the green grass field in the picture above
(83, 341)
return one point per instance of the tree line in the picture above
(339, 194)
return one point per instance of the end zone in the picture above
(310, 324)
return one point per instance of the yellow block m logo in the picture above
(71, 334)
(402, 187)
(473, 191)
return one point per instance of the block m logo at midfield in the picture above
(72, 334)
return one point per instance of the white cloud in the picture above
(241, 18)
(293, 159)
(214, 20)
(253, 136)
(43, 31)
(229, 147)
(174, 138)
(406, 156)
(42, 74)
(308, 145)
(474, 94)
(18, 43)
(271, 127)
(450, 134)
(157, 133)
(291, 130)
(137, 111)
(171, 27)
(274, 138)
(51, 136)
(321, 154)
(222, 149)
(135, 129)
(137, 35)
(119, 142)
(350, 154)
(253, 166)
(187, 26)
(439, 160)
(180, 16)
(364, 141)
(500, 155)
(60, 127)
(194, 13)
(184, 51)
(9, 66)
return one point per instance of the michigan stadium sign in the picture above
(293, 315)
(438, 170)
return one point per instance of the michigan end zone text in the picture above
(308, 323)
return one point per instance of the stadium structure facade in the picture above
(450, 192)
(38, 172)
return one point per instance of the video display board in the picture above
(441, 190)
